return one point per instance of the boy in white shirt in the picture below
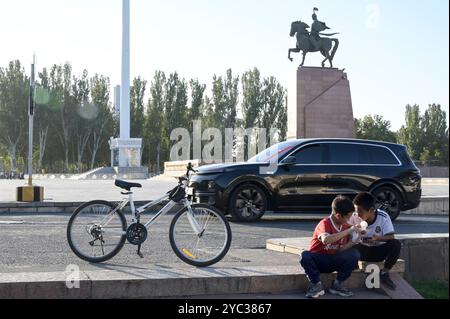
(378, 243)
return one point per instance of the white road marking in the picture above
(11, 222)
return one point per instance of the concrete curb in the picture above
(436, 204)
(163, 282)
(296, 245)
(52, 207)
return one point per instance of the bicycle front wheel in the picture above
(96, 231)
(206, 248)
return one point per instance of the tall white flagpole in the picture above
(125, 87)
(128, 149)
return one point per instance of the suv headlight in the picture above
(211, 186)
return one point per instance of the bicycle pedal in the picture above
(139, 252)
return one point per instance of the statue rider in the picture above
(316, 28)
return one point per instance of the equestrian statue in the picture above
(314, 41)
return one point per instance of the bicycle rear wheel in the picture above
(96, 231)
(207, 248)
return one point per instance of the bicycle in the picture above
(200, 235)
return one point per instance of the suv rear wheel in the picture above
(389, 200)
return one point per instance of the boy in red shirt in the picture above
(331, 250)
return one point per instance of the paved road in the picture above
(38, 243)
(435, 190)
(80, 191)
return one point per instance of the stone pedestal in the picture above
(125, 152)
(324, 104)
(126, 158)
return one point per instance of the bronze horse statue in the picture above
(325, 45)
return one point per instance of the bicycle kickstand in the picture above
(139, 252)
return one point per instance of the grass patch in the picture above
(431, 289)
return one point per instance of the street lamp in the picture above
(30, 193)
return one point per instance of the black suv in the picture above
(306, 175)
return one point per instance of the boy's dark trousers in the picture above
(389, 253)
(315, 264)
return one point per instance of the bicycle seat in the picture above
(127, 186)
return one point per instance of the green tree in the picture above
(374, 127)
(175, 110)
(410, 134)
(225, 98)
(196, 110)
(252, 106)
(273, 114)
(137, 96)
(282, 122)
(85, 114)
(55, 153)
(14, 93)
(103, 123)
(137, 108)
(154, 132)
(435, 136)
(207, 109)
(64, 106)
(74, 119)
(197, 100)
(252, 103)
(42, 116)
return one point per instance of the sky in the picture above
(395, 52)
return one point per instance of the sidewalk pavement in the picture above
(250, 271)
(65, 191)
(435, 181)
(254, 274)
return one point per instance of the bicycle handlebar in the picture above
(186, 177)
(190, 168)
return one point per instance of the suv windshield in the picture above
(273, 153)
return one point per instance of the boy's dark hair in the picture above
(365, 200)
(342, 205)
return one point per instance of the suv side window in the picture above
(343, 153)
(377, 155)
(352, 154)
(311, 154)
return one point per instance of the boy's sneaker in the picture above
(387, 281)
(338, 289)
(315, 291)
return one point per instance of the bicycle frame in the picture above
(136, 213)
(199, 234)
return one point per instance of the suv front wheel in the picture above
(248, 203)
